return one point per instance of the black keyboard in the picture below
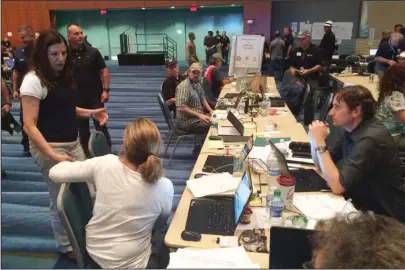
(308, 180)
(218, 164)
(218, 218)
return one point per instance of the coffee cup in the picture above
(287, 187)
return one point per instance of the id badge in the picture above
(299, 54)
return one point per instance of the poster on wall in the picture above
(294, 27)
(342, 30)
(305, 26)
(248, 51)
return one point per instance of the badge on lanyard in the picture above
(299, 53)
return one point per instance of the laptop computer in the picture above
(221, 164)
(219, 215)
(227, 106)
(234, 133)
(306, 180)
(290, 248)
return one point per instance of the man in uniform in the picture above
(21, 65)
(328, 42)
(92, 79)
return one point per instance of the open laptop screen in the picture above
(281, 160)
(289, 247)
(242, 196)
(236, 123)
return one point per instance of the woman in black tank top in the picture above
(48, 97)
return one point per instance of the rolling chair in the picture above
(75, 208)
(173, 130)
(327, 105)
(98, 145)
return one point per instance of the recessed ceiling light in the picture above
(202, 6)
(232, 5)
(143, 8)
(171, 7)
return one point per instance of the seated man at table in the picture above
(370, 172)
(214, 76)
(191, 102)
(170, 84)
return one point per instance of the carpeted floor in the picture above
(25, 220)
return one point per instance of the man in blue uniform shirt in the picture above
(21, 65)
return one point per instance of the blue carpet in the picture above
(25, 219)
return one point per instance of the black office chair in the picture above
(173, 130)
(327, 105)
(75, 208)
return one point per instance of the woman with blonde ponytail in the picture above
(132, 195)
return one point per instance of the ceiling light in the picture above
(232, 5)
(202, 6)
(172, 7)
(143, 8)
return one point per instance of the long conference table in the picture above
(358, 80)
(287, 126)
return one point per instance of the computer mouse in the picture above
(199, 175)
(190, 236)
(214, 138)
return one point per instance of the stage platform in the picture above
(142, 59)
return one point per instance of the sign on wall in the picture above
(342, 30)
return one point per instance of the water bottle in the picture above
(214, 125)
(277, 206)
(269, 198)
(239, 161)
(273, 169)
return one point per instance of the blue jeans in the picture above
(276, 69)
(45, 165)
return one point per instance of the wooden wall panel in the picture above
(37, 13)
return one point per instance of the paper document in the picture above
(260, 152)
(213, 184)
(235, 257)
(321, 206)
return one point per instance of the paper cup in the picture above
(287, 187)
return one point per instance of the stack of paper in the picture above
(322, 206)
(211, 258)
(212, 184)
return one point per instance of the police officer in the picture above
(92, 79)
(305, 64)
(21, 64)
(387, 52)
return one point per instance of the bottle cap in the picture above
(277, 193)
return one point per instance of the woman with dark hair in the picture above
(48, 97)
(133, 198)
(391, 102)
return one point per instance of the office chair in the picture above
(352, 60)
(326, 106)
(98, 145)
(75, 208)
(173, 130)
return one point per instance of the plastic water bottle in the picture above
(277, 206)
(269, 198)
(273, 169)
(239, 161)
(214, 125)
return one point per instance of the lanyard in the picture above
(392, 49)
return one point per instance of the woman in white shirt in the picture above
(48, 96)
(131, 195)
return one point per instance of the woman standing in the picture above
(49, 103)
(132, 195)
(391, 103)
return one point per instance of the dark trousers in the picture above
(225, 53)
(25, 140)
(276, 69)
(199, 127)
(84, 126)
(208, 55)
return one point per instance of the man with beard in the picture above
(92, 79)
(191, 102)
(22, 57)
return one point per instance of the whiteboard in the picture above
(342, 30)
(246, 55)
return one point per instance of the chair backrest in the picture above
(207, 89)
(353, 59)
(305, 97)
(287, 79)
(166, 112)
(75, 208)
(98, 145)
(327, 105)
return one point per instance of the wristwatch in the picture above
(321, 149)
(107, 90)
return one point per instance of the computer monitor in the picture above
(290, 248)
(373, 52)
(242, 195)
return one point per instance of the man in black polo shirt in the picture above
(92, 79)
(370, 172)
(387, 52)
(225, 46)
(328, 42)
(289, 42)
(210, 46)
(170, 84)
(21, 65)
